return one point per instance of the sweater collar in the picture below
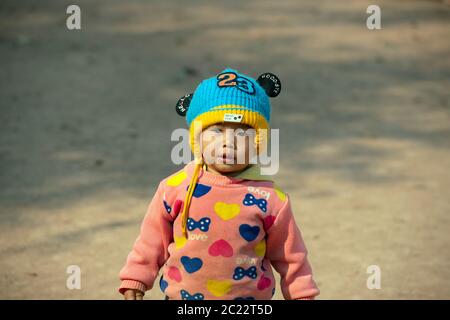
(252, 172)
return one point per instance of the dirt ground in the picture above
(86, 118)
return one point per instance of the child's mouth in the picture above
(227, 159)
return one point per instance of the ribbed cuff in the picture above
(132, 284)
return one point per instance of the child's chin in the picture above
(227, 168)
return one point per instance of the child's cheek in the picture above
(212, 149)
(242, 152)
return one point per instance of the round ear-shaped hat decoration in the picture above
(183, 104)
(270, 83)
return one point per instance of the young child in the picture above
(217, 226)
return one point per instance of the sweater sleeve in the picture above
(149, 251)
(288, 255)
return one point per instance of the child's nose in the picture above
(229, 139)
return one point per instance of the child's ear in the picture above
(270, 83)
(183, 104)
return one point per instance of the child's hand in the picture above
(133, 294)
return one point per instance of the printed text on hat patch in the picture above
(233, 117)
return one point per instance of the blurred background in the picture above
(364, 117)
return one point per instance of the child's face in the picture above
(227, 147)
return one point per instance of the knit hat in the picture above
(227, 97)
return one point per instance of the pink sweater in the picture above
(238, 228)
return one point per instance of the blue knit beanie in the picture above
(229, 97)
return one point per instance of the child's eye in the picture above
(216, 130)
(244, 133)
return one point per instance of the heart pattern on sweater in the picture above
(219, 288)
(174, 274)
(163, 284)
(260, 248)
(281, 195)
(226, 211)
(191, 265)
(177, 179)
(264, 283)
(268, 222)
(200, 190)
(179, 241)
(177, 206)
(220, 248)
(248, 232)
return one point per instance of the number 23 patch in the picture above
(231, 79)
